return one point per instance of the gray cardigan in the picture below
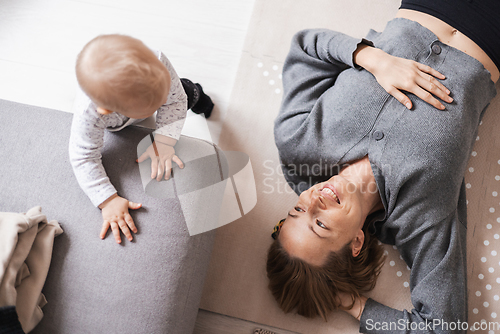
(333, 113)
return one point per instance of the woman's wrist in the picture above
(361, 301)
(367, 56)
(357, 309)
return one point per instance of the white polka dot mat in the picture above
(399, 273)
(271, 73)
(483, 237)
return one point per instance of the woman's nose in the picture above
(316, 201)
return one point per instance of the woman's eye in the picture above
(298, 209)
(320, 224)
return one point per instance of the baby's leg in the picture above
(198, 101)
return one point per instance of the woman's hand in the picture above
(396, 74)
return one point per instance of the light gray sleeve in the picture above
(170, 117)
(85, 144)
(316, 58)
(438, 284)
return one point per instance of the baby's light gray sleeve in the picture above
(85, 144)
(170, 117)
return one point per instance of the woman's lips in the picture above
(330, 191)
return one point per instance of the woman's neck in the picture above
(360, 173)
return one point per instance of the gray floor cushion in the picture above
(150, 285)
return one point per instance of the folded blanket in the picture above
(26, 241)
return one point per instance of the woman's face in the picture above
(327, 217)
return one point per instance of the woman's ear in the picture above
(357, 243)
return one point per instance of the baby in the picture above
(124, 82)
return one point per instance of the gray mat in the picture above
(150, 285)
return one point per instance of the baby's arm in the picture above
(169, 122)
(86, 142)
(85, 145)
(170, 116)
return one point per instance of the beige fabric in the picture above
(236, 284)
(26, 241)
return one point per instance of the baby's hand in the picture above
(115, 215)
(161, 153)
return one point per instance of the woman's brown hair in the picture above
(313, 290)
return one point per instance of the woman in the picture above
(401, 171)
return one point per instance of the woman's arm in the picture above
(326, 100)
(315, 59)
(437, 284)
(318, 56)
(357, 308)
(395, 74)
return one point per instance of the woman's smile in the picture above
(330, 192)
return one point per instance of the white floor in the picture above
(40, 39)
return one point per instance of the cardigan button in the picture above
(436, 49)
(378, 135)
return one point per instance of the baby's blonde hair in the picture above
(119, 73)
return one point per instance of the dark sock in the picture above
(191, 92)
(204, 104)
(198, 101)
